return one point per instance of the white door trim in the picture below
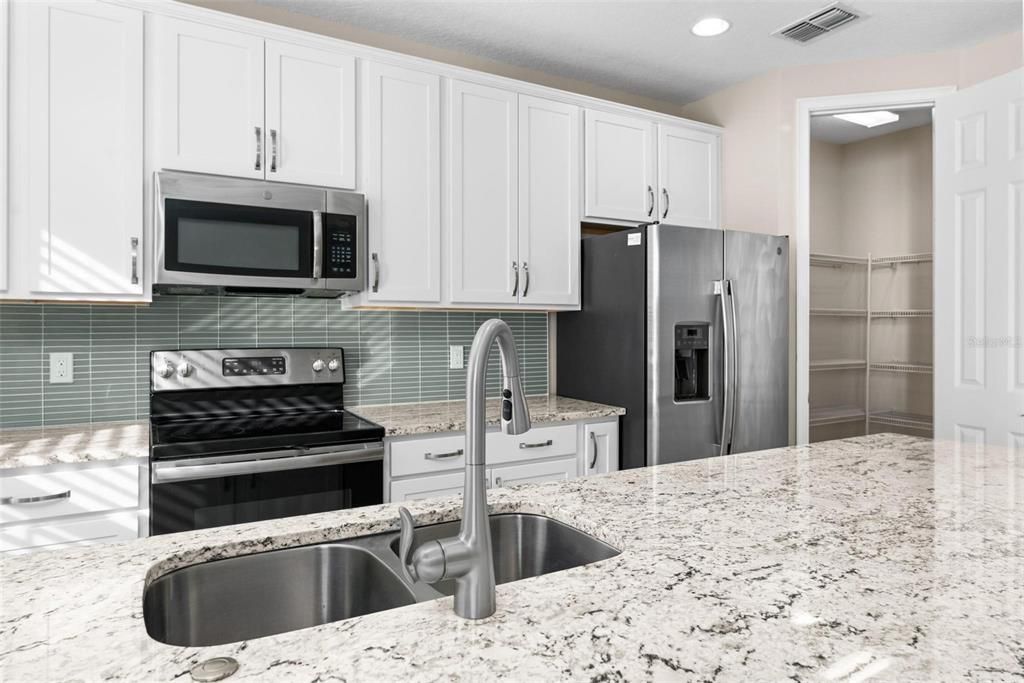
(805, 108)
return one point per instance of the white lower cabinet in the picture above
(65, 533)
(433, 466)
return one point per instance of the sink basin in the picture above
(225, 601)
(259, 595)
(524, 546)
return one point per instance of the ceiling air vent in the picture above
(821, 22)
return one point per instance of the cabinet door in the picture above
(600, 448)
(620, 167)
(84, 165)
(484, 207)
(209, 108)
(688, 171)
(549, 201)
(402, 115)
(311, 116)
(4, 21)
(436, 486)
(562, 469)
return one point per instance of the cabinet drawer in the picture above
(561, 469)
(426, 456)
(436, 486)
(542, 442)
(119, 526)
(73, 492)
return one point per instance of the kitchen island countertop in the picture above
(883, 555)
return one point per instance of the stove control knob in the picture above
(333, 365)
(318, 365)
(165, 370)
(184, 369)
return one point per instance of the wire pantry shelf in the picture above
(839, 364)
(837, 260)
(840, 312)
(905, 258)
(831, 415)
(893, 418)
(907, 313)
(899, 366)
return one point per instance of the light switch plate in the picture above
(62, 368)
(455, 358)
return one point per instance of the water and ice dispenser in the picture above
(692, 362)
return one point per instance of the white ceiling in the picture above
(838, 132)
(645, 47)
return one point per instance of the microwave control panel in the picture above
(339, 246)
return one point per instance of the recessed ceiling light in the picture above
(870, 119)
(712, 26)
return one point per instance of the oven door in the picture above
(198, 493)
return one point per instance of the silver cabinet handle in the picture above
(664, 193)
(526, 274)
(259, 148)
(11, 500)
(273, 151)
(650, 200)
(376, 272)
(593, 441)
(318, 239)
(135, 260)
(515, 285)
(497, 481)
(443, 456)
(539, 444)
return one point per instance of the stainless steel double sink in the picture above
(250, 596)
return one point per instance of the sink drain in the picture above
(215, 669)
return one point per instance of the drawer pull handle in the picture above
(539, 444)
(443, 456)
(11, 500)
(497, 482)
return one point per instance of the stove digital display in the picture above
(264, 365)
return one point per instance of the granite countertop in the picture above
(450, 416)
(886, 556)
(77, 443)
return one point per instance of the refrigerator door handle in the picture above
(733, 352)
(722, 292)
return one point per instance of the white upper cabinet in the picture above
(310, 122)
(484, 207)
(688, 175)
(620, 167)
(4, 21)
(549, 202)
(82, 143)
(402, 143)
(209, 84)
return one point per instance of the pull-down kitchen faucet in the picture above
(467, 557)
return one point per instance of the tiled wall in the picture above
(390, 356)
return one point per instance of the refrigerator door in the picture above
(684, 344)
(758, 267)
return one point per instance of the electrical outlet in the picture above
(455, 358)
(62, 368)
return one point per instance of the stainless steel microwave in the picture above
(218, 235)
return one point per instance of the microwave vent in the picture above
(817, 24)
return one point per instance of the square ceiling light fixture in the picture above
(869, 119)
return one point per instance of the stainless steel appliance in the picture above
(242, 435)
(221, 235)
(688, 329)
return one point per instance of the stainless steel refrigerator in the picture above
(688, 330)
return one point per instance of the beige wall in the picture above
(826, 198)
(396, 43)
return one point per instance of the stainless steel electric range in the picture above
(243, 435)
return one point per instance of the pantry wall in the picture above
(871, 277)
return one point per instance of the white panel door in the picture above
(979, 250)
(209, 112)
(688, 173)
(620, 167)
(600, 448)
(549, 201)
(402, 124)
(85, 148)
(435, 486)
(562, 469)
(311, 116)
(483, 224)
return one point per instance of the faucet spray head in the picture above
(515, 416)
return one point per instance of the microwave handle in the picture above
(318, 240)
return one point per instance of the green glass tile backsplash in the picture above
(390, 356)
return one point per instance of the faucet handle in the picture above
(405, 544)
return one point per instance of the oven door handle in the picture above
(278, 461)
